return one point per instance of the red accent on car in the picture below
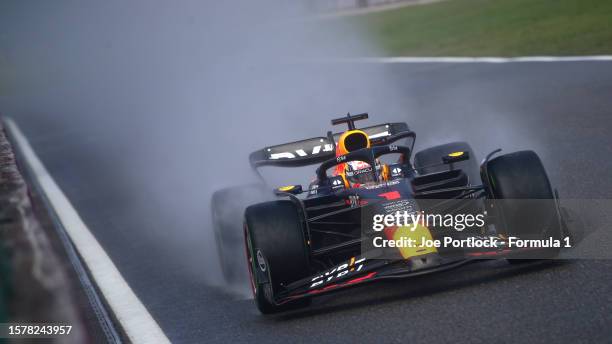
(390, 232)
(331, 286)
(361, 279)
(489, 253)
(334, 286)
(391, 195)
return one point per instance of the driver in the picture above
(356, 173)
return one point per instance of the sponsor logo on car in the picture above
(351, 267)
(300, 152)
(381, 185)
(401, 205)
(261, 262)
(358, 172)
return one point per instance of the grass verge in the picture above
(494, 28)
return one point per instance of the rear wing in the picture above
(318, 149)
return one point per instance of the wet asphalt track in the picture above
(565, 109)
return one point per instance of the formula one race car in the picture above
(306, 242)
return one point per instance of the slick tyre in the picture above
(277, 253)
(433, 156)
(525, 205)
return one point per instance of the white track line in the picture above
(133, 317)
(450, 59)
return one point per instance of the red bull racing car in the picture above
(309, 241)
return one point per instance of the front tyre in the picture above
(525, 205)
(277, 251)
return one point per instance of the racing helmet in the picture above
(355, 172)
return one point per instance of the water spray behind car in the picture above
(170, 98)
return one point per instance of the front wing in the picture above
(361, 270)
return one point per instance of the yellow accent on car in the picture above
(419, 233)
(286, 188)
(385, 172)
(456, 154)
(343, 149)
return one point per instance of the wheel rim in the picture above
(249, 256)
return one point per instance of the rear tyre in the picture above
(433, 155)
(277, 252)
(526, 208)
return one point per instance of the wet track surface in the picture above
(565, 111)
